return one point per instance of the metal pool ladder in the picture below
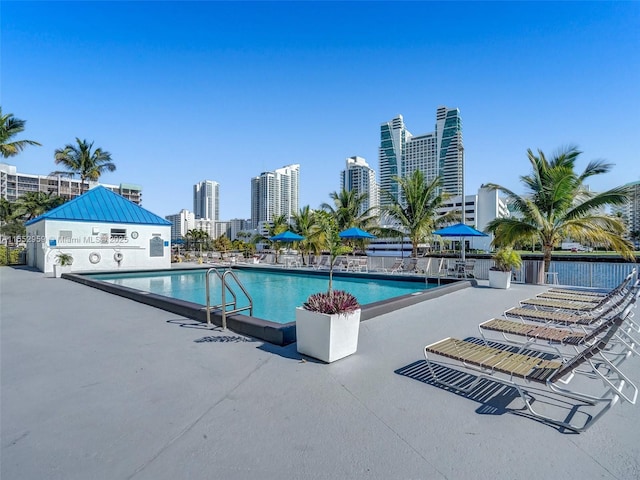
(223, 306)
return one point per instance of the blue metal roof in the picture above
(101, 205)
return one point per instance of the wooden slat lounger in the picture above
(568, 296)
(579, 293)
(517, 370)
(629, 279)
(548, 316)
(579, 335)
(565, 314)
(569, 305)
(534, 332)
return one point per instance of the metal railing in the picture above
(599, 274)
(224, 304)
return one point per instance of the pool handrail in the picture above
(223, 306)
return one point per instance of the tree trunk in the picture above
(547, 249)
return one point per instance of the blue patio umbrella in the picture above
(287, 236)
(356, 234)
(460, 230)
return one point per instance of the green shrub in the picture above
(14, 255)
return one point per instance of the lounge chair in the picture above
(321, 263)
(358, 264)
(584, 306)
(569, 296)
(567, 305)
(409, 265)
(629, 279)
(514, 368)
(564, 317)
(532, 332)
(396, 267)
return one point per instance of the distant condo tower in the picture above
(274, 193)
(359, 177)
(206, 200)
(438, 153)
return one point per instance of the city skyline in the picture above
(179, 92)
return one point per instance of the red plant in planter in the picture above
(335, 301)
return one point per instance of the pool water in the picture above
(275, 294)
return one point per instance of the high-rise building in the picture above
(237, 225)
(630, 212)
(206, 200)
(14, 184)
(393, 138)
(439, 153)
(181, 223)
(274, 193)
(360, 178)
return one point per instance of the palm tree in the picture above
(6, 210)
(346, 208)
(278, 225)
(304, 223)
(80, 160)
(197, 236)
(327, 236)
(417, 216)
(34, 204)
(10, 127)
(557, 205)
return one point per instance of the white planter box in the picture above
(327, 337)
(58, 270)
(498, 279)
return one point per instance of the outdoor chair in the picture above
(358, 264)
(564, 317)
(469, 266)
(409, 265)
(512, 367)
(576, 335)
(567, 305)
(569, 296)
(341, 263)
(585, 305)
(396, 267)
(322, 262)
(579, 293)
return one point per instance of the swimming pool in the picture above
(281, 330)
(275, 294)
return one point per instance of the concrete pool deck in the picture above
(97, 386)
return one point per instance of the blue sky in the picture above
(180, 92)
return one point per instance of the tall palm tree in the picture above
(10, 127)
(417, 214)
(304, 223)
(557, 205)
(80, 160)
(346, 208)
(278, 225)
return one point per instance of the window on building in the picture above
(118, 233)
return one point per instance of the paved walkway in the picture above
(94, 386)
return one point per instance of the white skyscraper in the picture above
(181, 223)
(275, 193)
(438, 153)
(359, 177)
(206, 200)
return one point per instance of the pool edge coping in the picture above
(271, 332)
